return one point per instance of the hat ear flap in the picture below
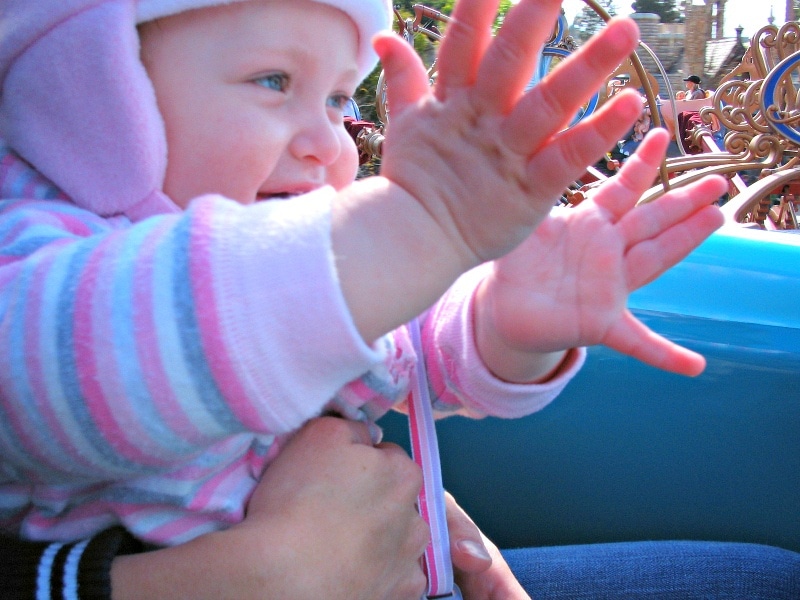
(79, 106)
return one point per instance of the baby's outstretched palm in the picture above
(568, 284)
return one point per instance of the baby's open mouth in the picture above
(276, 196)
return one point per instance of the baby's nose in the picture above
(317, 140)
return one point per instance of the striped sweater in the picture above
(150, 371)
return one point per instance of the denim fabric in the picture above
(671, 570)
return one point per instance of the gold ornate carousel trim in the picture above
(756, 105)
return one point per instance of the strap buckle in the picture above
(454, 595)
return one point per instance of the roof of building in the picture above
(722, 55)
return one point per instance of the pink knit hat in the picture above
(77, 102)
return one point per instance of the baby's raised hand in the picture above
(485, 160)
(568, 284)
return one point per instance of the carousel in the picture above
(629, 452)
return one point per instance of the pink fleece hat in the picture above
(77, 102)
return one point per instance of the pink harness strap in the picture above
(425, 450)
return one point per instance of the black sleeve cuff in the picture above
(94, 573)
(74, 571)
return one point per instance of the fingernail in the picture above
(473, 548)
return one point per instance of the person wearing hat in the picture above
(693, 89)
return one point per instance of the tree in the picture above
(666, 9)
(588, 22)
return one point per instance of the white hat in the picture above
(78, 105)
(370, 17)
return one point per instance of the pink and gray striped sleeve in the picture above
(127, 348)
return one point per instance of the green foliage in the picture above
(365, 96)
(505, 6)
(587, 22)
(445, 6)
(666, 9)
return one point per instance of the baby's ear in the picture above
(94, 128)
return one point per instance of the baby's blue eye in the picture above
(338, 101)
(274, 81)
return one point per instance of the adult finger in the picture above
(393, 449)
(467, 550)
(336, 430)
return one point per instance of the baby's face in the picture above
(252, 95)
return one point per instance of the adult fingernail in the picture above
(473, 548)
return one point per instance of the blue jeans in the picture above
(674, 570)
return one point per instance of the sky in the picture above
(750, 14)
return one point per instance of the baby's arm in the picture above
(458, 376)
(472, 166)
(160, 339)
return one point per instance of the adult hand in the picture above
(353, 508)
(480, 570)
(333, 517)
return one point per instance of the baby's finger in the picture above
(550, 105)
(654, 218)
(406, 79)
(511, 59)
(621, 192)
(649, 259)
(572, 150)
(632, 337)
(464, 44)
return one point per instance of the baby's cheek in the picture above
(343, 170)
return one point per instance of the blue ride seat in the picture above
(628, 452)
